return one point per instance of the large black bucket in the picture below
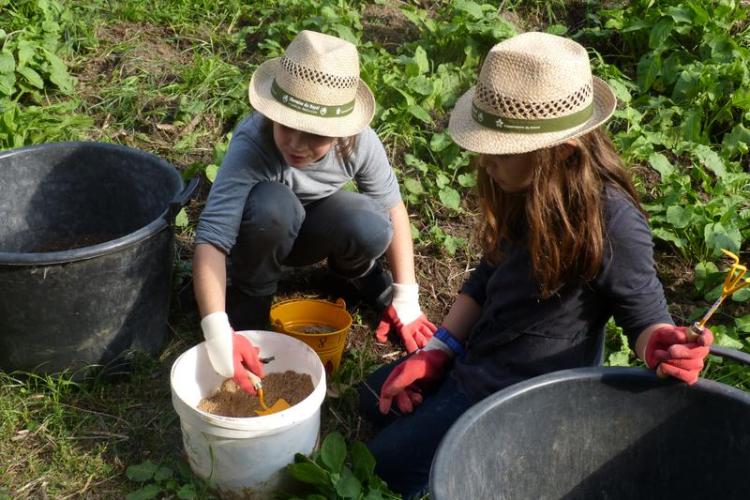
(590, 433)
(86, 254)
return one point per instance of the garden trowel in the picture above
(280, 405)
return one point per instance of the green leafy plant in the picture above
(159, 481)
(337, 473)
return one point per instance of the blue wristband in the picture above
(447, 337)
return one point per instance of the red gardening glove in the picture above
(669, 350)
(414, 335)
(406, 382)
(230, 353)
(245, 356)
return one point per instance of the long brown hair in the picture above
(344, 145)
(560, 216)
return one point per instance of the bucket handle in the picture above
(181, 199)
(340, 303)
(732, 354)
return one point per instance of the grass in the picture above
(170, 77)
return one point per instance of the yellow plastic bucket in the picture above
(321, 324)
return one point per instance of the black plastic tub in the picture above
(614, 433)
(86, 254)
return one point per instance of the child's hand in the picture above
(406, 381)
(230, 354)
(669, 350)
(406, 317)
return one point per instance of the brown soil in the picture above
(387, 26)
(231, 401)
(314, 328)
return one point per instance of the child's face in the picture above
(298, 148)
(512, 173)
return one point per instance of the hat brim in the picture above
(473, 136)
(259, 92)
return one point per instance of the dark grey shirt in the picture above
(252, 157)
(520, 335)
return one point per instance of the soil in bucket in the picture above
(231, 401)
(313, 328)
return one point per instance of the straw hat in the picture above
(315, 87)
(535, 90)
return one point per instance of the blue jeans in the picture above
(405, 445)
(348, 229)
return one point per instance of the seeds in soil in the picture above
(231, 401)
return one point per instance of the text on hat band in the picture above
(535, 126)
(308, 107)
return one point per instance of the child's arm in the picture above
(230, 354)
(401, 250)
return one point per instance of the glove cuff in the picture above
(437, 344)
(444, 336)
(218, 335)
(406, 302)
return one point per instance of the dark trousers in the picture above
(348, 229)
(406, 444)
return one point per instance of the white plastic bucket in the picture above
(246, 456)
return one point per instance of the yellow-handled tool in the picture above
(734, 281)
(279, 405)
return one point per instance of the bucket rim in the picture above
(260, 423)
(339, 303)
(89, 252)
(454, 436)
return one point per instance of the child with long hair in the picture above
(566, 247)
(279, 200)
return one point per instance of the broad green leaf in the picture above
(620, 89)
(660, 32)
(333, 451)
(7, 63)
(187, 492)
(420, 57)
(619, 358)
(211, 171)
(472, 8)
(310, 473)
(692, 125)
(413, 186)
(363, 462)
(345, 33)
(374, 495)
(142, 472)
(452, 244)
(421, 85)
(420, 113)
(742, 295)
(450, 198)
(703, 271)
(710, 159)
(661, 164)
(743, 323)
(31, 76)
(348, 486)
(7, 83)
(556, 29)
(725, 340)
(718, 236)
(59, 73)
(648, 70)
(162, 474)
(669, 236)
(25, 52)
(146, 493)
(439, 142)
(678, 216)
(687, 85)
(467, 180)
(736, 142)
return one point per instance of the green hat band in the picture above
(307, 107)
(521, 126)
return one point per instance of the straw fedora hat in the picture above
(535, 90)
(314, 87)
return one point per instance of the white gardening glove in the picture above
(230, 354)
(406, 317)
